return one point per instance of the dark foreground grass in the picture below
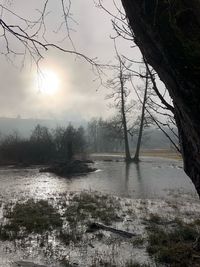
(174, 244)
(92, 206)
(135, 264)
(83, 208)
(38, 217)
(29, 217)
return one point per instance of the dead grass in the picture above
(92, 206)
(172, 243)
(136, 264)
(164, 153)
(138, 241)
(29, 217)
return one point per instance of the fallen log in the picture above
(27, 264)
(93, 227)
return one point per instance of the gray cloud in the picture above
(77, 95)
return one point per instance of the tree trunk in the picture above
(124, 122)
(168, 34)
(137, 152)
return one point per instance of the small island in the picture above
(70, 168)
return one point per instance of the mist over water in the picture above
(150, 179)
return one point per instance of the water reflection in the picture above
(141, 188)
(127, 173)
(137, 166)
(151, 178)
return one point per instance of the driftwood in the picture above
(27, 264)
(93, 227)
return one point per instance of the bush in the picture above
(43, 146)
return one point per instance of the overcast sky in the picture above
(25, 93)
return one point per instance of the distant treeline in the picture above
(44, 145)
(107, 136)
(65, 143)
(104, 136)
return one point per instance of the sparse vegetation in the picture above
(138, 241)
(155, 218)
(29, 217)
(136, 264)
(92, 206)
(103, 263)
(173, 243)
(66, 263)
(169, 242)
(73, 235)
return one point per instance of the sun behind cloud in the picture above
(49, 82)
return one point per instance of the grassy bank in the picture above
(165, 233)
(163, 153)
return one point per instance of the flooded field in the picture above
(152, 178)
(116, 195)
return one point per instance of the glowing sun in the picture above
(49, 82)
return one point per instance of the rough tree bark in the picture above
(123, 113)
(137, 152)
(168, 34)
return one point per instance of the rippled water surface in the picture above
(151, 178)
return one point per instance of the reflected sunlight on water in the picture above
(151, 178)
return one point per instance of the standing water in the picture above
(139, 189)
(150, 179)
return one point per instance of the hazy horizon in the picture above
(67, 84)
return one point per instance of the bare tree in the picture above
(156, 102)
(119, 94)
(137, 152)
(122, 79)
(28, 38)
